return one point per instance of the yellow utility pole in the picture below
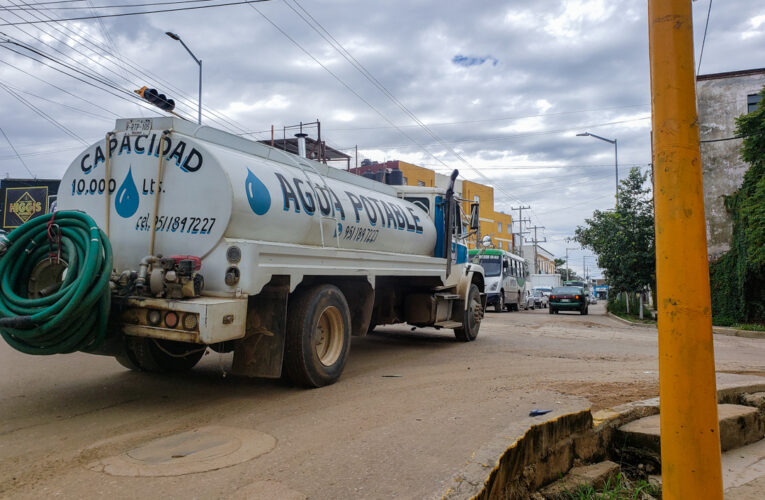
(690, 437)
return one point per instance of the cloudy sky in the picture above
(497, 89)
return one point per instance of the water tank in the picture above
(395, 177)
(216, 185)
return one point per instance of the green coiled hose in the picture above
(73, 317)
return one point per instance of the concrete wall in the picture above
(721, 99)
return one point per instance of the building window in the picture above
(499, 227)
(752, 101)
(421, 183)
(500, 245)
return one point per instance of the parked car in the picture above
(528, 302)
(540, 299)
(593, 299)
(568, 298)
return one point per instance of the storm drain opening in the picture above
(199, 450)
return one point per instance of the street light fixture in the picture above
(616, 157)
(199, 62)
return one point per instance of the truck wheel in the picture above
(551, 310)
(473, 315)
(318, 336)
(500, 305)
(159, 355)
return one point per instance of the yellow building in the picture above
(417, 176)
(497, 225)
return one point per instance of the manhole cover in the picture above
(199, 450)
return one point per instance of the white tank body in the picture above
(216, 185)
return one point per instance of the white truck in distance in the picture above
(295, 256)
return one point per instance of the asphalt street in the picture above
(408, 411)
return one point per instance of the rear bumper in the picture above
(567, 306)
(216, 319)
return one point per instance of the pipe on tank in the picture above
(301, 144)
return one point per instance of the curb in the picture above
(631, 323)
(717, 330)
(530, 454)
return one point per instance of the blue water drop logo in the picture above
(126, 201)
(257, 194)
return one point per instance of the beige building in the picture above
(721, 98)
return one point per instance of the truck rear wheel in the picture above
(473, 315)
(318, 336)
(159, 356)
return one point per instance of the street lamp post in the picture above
(199, 62)
(616, 157)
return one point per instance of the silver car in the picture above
(529, 302)
(540, 299)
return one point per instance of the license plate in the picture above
(565, 300)
(138, 127)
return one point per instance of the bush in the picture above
(617, 304)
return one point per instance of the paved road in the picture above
(408, 411)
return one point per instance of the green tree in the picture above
(623, 239)
(738, 277)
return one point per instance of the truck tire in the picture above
(551, 310)
(473, 315)
(318, 336)
(159, 356)
(500, 305)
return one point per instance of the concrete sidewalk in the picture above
(717, 330)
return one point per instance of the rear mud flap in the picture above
(261, 352)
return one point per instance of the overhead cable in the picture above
(17, 154)
(125, 14)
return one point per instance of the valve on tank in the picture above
(174, 277)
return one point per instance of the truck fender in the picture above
(473, 275)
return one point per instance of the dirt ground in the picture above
(410, 408)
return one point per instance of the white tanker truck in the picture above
(226, 243)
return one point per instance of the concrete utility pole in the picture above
(568, 269)
(520, 234)
(520, 223)
(690, 433)
(535, 241)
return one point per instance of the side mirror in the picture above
(475, 222)
(506, 265)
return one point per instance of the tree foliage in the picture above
(623, 239)
(738, 277)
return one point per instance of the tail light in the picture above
(577, 297)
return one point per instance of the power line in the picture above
(17, 154)
(138, 72)
(125, 14)
(703, 40)
(118, 6)
(73, 108)
(506, 118)
(43, 114)
(344, 84)
(515, 136)
(58, 88)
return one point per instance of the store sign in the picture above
(23, 204)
